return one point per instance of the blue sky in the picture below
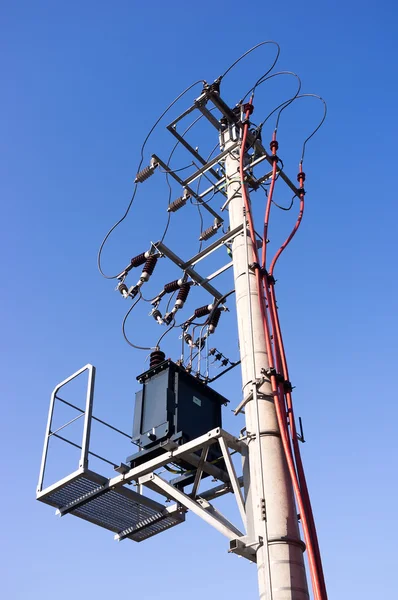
(81, 84)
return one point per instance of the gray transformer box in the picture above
(173, 406)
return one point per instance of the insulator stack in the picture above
(139, 260)
(209, 232)
(188, 339)
(202, 311)
(157, 315)
(172, 286)
(183, 293)
(145, 174)
(156, 357)
(123, 289)
(149, 267)
(177, 204)
(214, 319)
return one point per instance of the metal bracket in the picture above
(201, 508)
(194, 275)
(243, 547)
(192, 193)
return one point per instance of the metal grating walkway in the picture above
(121, 510)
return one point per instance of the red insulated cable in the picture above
(300, 469)
(284, 435)
(301, 178)
(296, 449)
(278, 342)
(269, 202)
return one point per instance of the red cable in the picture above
(282, 426)
(274, 147)
(278, 342)
(281, 352)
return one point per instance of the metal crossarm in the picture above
(187, 187)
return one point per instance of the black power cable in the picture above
(135, 187)
(249, 52)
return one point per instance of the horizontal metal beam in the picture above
(191, 149)
(192, 193)
(219, 271)
(214, 246)
(207, 467)
(219, 490)
(189, 270)
(209, 116)
(189, 448)
(219, 103)
(209, 164)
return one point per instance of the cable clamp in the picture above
(248, 108)
(270, 278)
(263, 272)
(287, 386)
(255, 266)
(272, 372)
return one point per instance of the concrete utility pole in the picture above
(270, 506)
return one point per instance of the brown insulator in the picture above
(139, 260)
(202, 311)
(144, 174)
(187, 338)
(214, 319)
(172, 286)
(156, 358)
(150, 265)
(209, 232)
(177, 204)
(183, 293)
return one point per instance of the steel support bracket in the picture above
(243, 547)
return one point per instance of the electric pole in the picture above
(270, 505)
(177, 427)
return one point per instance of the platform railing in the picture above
(86, 414)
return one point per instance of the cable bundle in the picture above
(278, 371)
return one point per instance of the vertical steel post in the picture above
(83, 464)
(270, 504)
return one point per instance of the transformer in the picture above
(173, 407)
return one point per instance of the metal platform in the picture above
(111, 503)
(121, 510)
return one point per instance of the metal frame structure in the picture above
(112, 504)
